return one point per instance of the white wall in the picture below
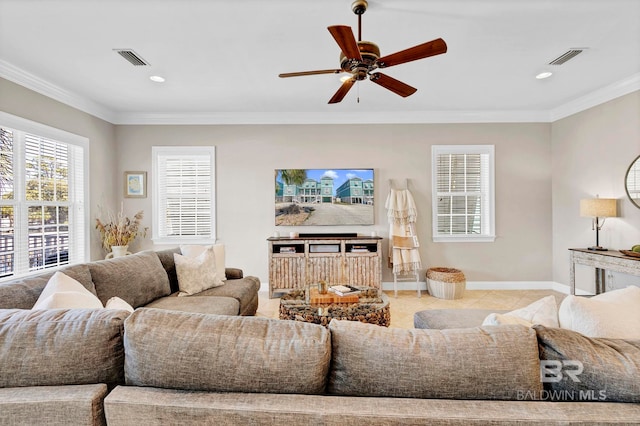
(248, 155)
(16, 100)
(591, 152)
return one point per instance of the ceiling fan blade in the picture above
(302, 73)
(421, 51)
(345, 39)
(396, 86)
(342, 91)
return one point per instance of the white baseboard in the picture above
(480, 285)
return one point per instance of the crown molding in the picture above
(388, 117)
(82, 103)
(597, 97)
(67, 97)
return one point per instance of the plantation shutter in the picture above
(42, 197)
(184, 188)
(463, 193)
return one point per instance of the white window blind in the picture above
(463, 193)
(184, 202)
(42, 192)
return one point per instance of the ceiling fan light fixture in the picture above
(544, 74)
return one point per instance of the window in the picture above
(42, 197)
(183, 188)
(463, 193)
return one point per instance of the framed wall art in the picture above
(135, 184)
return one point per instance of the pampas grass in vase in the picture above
(119, 230)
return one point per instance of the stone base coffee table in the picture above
(372, 307)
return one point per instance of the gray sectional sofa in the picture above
(158, 367)
(144, 279)
(167, 366)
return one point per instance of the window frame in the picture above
(79, 245)
(156, 152)
(488, 234)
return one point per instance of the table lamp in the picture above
(597, 208)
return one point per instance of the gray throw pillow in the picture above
(580, 368)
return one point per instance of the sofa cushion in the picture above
(180, 350)
(58, 347)
(22, 293)
(53, 405)
(131, 405)
(613, 314)
(610, 367)
(244, 290)
(137, 279)
(492, 362)
(198, 304)
(63, 292)
(196, 274)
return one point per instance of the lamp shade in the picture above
(599, 207)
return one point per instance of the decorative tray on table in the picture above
(630, 253)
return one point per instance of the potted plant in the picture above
(118, 231)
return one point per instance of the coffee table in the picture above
(372, 307)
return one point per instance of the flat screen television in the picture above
(324, 197)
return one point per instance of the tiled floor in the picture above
(407, 303)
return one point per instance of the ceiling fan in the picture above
(362, 58)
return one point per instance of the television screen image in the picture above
(324, 197)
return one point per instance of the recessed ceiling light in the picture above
(543, 75)
(157, 78)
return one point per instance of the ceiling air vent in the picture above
(569, 54)
(132, 57)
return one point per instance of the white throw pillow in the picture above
(543, 312)
(196, 274)
(614, 315)
(117, 303)
(195, 250)
(63, 292)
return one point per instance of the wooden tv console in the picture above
(295, 263)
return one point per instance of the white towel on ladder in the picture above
(402, 214)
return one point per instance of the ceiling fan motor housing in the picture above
(370, 53)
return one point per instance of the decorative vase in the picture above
(118, 251)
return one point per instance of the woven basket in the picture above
(446, 283)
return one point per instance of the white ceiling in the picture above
(221, 59)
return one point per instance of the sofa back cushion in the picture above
(492, 362)
(22, 293)
(178, 350)
(61, 347)
(169, 265)
(604, 369)
(137, 279)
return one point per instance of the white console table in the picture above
(611, 260)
